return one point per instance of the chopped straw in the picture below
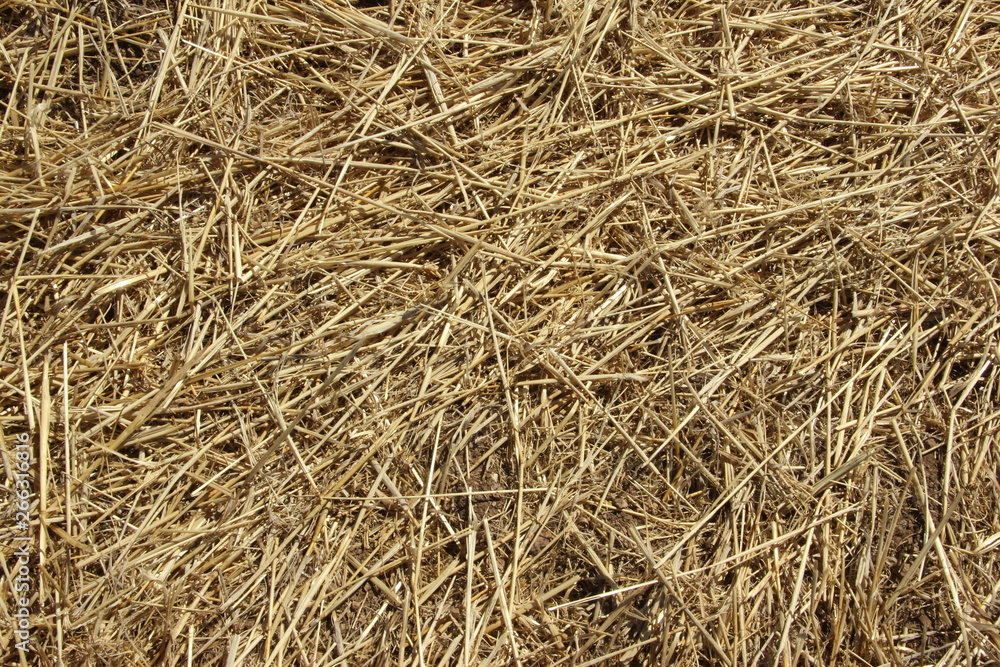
(562, 332)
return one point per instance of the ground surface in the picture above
(575, 332)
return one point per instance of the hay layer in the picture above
(563, 332)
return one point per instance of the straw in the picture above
(520, 333)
